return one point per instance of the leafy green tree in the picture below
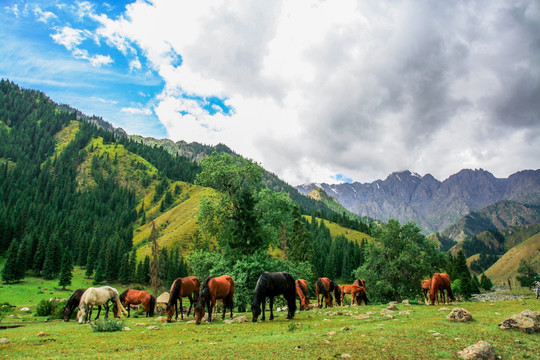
(66, 272)
(10, 271)
(397, 262)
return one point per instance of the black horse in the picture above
(270, 285)
(73, 302)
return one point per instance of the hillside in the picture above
(432, 204)
(506, 267)
(497, 216)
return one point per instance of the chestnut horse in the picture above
(271, 285)
(301, 291)
(426, 285)
(136, 297)
(214, 288)
(325, 286)
(357, 292)
(440, 282)
(188, 286)
(359, 299)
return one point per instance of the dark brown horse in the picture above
(214, 288)
(136, 297)
(271, 285)
(188, 286)
(440, 283)
(301, 291)
(359, 299)
(325, 286)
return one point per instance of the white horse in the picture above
(98, 296)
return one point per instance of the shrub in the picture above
(52, 308)
(107, 325)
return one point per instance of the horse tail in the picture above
(152, 305)
(337, 292)
(118, 303)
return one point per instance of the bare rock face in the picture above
(527, 321)
(480, 350)
(459, 315)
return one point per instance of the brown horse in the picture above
(325, 286)
(301, 291)
(215, 288)
(181, 287)
(359, 299)
(136, 297)
(357, 292)
(426, 285)
(440, 282)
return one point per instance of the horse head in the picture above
(255, 311)
(169, 310)
(81, 314)
(67, 313)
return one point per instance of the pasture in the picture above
(411, 332)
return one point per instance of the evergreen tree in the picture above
(53, 258)
(66, 273)
(485, 282)
(155, 281)
(125, 270)
(527, 273)
(39, 257)
(10, 271)
(462, 273)
(99, 276)
(300, 244)
(475, 284)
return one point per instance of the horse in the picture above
(73, 302)
(271, 285)
(301, 291)
(98, 296)
(426, 285)
(214, 288)
(179, 288)
(325, 286)
(362, 283)
(357, 292)
(136, 297)
(440, 282)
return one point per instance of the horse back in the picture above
(190, 285)
(222, 286)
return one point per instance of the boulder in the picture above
(153, 328)
(241, 319)
(481, 350)
(4, 341)
(25, 309)
(527, 321)
(392, 306)
(460, 315)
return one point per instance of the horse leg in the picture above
(106, 306)
(181, 309)
(211, 306)
(225, 303)
(263, 318)
(271, 308)
(190, 304)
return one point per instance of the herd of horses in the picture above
(269, 285)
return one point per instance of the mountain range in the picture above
(436, 205)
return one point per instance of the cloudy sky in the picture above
(314, 91)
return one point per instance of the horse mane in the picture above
(74, 299)
(175, 292)
(337, 292)
(301, 287)
(123, 296)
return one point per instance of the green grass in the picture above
(311, 335)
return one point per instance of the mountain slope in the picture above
(432, 204)
(506, 267)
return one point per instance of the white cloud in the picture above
(68, 37)
(44, 16)
(137, 111)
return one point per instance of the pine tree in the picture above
(10, 271)
(91, 260)
(475, 284)
(485, 282)
(66, 273)
(462, 273)
(52, 262)
(99, 276)
(125, 271)
(39, 257)
(155, 281)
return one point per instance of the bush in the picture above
(52, 308)
(107, 325)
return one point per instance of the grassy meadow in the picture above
(411, 332)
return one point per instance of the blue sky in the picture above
(315, 91)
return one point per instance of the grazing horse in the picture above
(357, 292)
(426, 285)
(187, 286)
(214, 288)
(136, 297)
(271, 285)
(301, 291)
(73, 302)
(325, 286)
(98, 296)
(440, 282)
(361, 282)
